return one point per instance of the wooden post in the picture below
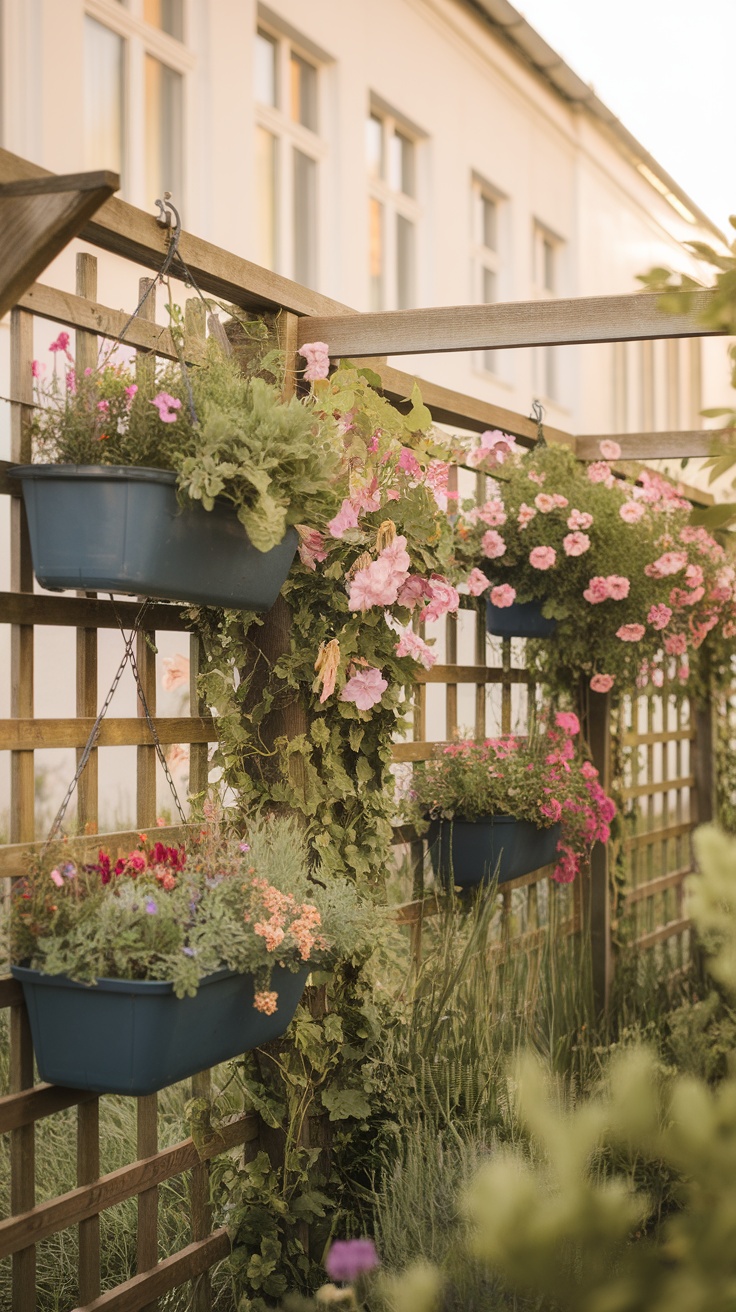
(596, 894)
(22, 818)
(704, 761)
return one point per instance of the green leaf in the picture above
(419, 418)
(265, 523)
(346, 1104)
(371, 377)
(714, 517)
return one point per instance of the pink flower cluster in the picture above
(491, 451)
(613, 587)
(317, 356)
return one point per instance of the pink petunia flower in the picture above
(576, 544)
(544, 502)
(409, 463)
(492, 514)
(579, 519)
(365, 689)
(62, 344)
(542, 557)
(526, 515)
(568, 722)
(346, 517)
(167, 407)
(599, 471)
(669, 563)
(539, 479)
(317, 356)
(412, 591)
(618, 586)
(493, 545)
(443, 598)
(477, 582)
(410, 644)
(131, 391)
(609, 450)
(659, 616)
(631, 512)
(602, 682)
(376, 585)
(597, 590)
(503, 595)
(631, 632)
(493, 448)
(311, 546)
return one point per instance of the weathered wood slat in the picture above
(25, 735)
(654, 886)
(34, 1104)
(657, 736)
(173, 1271)
(648, 446)
(657, 835)
(14, 855)
(87, 612)
(38, 218)
(83, 312)
(418, 751)
(663, 932)
(11, 992)
(470, 674)
(645, 790)
(633, 317)
(87, 1200)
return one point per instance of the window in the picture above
(393, 213)
(289, 151)
(546, 262)
(487, 205)
(135, 67)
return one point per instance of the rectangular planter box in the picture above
(467, 852)
(136, 1036)
(113, 528)
(519, 620)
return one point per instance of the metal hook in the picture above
(538, 415)
(168, 216)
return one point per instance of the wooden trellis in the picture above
(493, 671)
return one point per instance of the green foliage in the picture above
(224, 433)
(174, 914)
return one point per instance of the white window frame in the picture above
(395, 203)
(491, 364)
(290, 135)
(548, 381)
(141, 39)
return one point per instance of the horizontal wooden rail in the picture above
(657, 835)
(419, 751)
(654, 886)
(665, 786)
(88, 1200)
(88, 612)
(76, 312)
(663, 932)
(633, 317)
(470, 674)
(34, 1104)
(143, 1290)
(28, 735)
(648, 446)
(633, 739)
(13, 856)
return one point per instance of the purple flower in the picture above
(348, 1258)
(151, 908)
(189, 952)
(244, 847)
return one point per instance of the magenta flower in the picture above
(37, 368)
(365, 688)
(56, 878)
(103, 407)
(62, 344)
(568, 722)
(131, 391)
(71, 381)
(542, 557)
(317, 356)
(502, 596)
(167, 407)
(349, 1258)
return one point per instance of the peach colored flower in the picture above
(175, 672)
(579, 519)
(575, 544)
(544, 502)
(326, 667)
(599, 471)
(492, 514)
(266, 1002)
(526, 515)
(659, 616)
(618, 586)
(602, 682)
(631, 512)
(631, 632)
(676, 644)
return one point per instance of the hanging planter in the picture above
(135, 1037)
(471, 852)
(117, 528)
(522, 619)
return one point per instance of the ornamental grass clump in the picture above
(226, 435)
(633, 585)
(540, 779)
(179, 913)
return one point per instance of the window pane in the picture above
(374, 145)
(305, 219)
(164, 143)
(376, 256)
(103, 97)
(266, 198)
(488, 222)
(168, 15)
(265, 69)
(401, 164)
(303, 92)
(405, 247)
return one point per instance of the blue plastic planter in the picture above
(116, 528)
(519, 620)
(467, 852)
(134, 1037)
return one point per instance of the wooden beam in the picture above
(634, 317)
(648, 446)
(173, 1271)
(13, 856)
(38, 218)
(34, 1104)
(77, 312)
(25, 735)
(87, 612)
